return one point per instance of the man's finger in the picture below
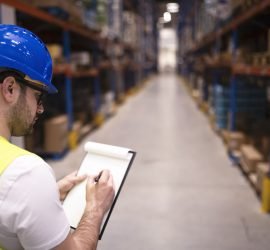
(74, 172)
(91, 179)
(111, 182)
(105, 175)
(80, 178)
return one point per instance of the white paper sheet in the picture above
(98, 157)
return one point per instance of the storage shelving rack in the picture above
(235, 32)
(76, 37)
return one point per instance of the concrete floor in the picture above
(182, 192)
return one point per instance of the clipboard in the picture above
(117, 160)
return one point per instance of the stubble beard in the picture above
(20, 116)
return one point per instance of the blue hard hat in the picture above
(24, 52)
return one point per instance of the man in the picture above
(31, 214)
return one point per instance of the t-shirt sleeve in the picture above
(39, 219)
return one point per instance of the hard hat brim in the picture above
(32, 76)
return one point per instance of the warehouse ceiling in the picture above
(178, 20)
(219, 8)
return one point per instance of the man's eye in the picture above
(38, 98)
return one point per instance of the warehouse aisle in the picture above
(182, 193)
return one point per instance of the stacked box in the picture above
(81, 61)
(115, 18)
(62, 9)
(89, 18)
(264, 146)
(262, 171)
(221, 106)
(236, 6)
(76, 127)
(247, 4)
(83, 106)
(146, 33)
(260, 137)
(250, 157)
(109, 107)
(56, 134)
(101, 16)
(56, 52)
(204, 22)
(130, 28)
(234, 140)
(95, 15)
(250, 104)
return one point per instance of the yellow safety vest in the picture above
(8, 153)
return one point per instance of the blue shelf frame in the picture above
(68, 82)
(97, 92)
(233, 84)
(97, 87)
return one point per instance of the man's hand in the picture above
(99, 198)
(100, 194)
(68, 182)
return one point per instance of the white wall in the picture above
(167, 49)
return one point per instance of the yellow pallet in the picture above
(121, 99)
(73, 139)
(266, 195)
(132, 91)
(99, 119)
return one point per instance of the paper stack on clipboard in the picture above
(117, 160)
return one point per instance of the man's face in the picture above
(25, 112)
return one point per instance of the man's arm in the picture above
(99, 197)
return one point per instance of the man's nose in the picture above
(40, 109)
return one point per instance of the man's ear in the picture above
(8, 88)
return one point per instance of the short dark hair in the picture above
(6, 73)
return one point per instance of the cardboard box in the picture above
(81, 58)
(265, 147)
(77, 126)
(250, 157)
(234, 140)
(224, 135)
(86, 129)
(56, 52)
(109, 103)
(56, 134)
(262, 170)
(75, 134)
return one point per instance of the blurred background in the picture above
(183, 83)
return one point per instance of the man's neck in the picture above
(4, 130)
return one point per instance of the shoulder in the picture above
(29, 202)
(25, 174)
(9, 152)
(27, 164)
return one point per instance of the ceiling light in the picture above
(172, 7)
(167, 17)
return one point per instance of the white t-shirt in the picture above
(31, 214)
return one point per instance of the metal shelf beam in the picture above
(209, 38)
(42, 15)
